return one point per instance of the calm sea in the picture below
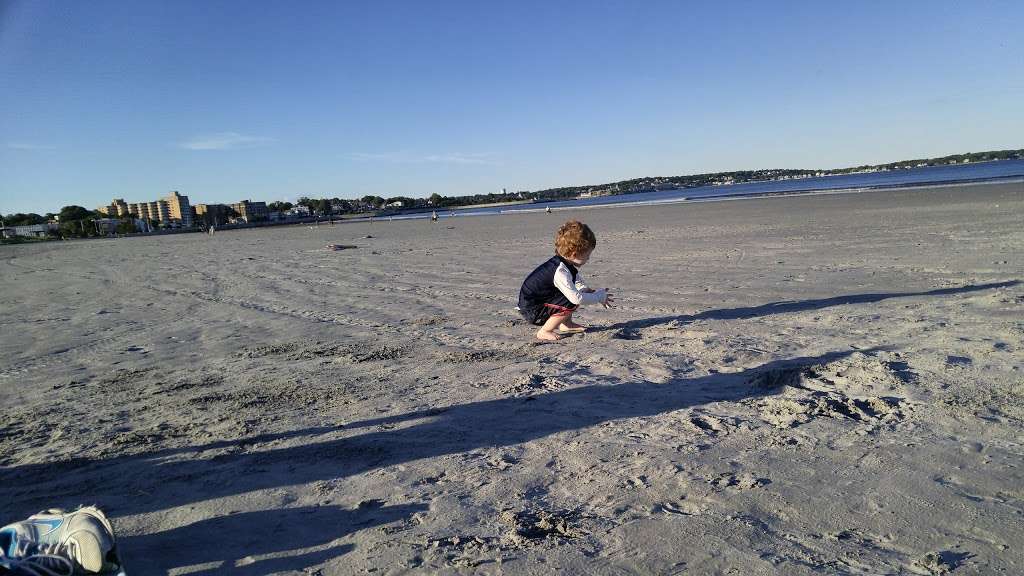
(979, 171)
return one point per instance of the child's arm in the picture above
(581, 285)
(564, 283)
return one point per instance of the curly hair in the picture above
(574, 238)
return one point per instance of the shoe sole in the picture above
(89, 556)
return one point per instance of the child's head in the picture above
(575, 241)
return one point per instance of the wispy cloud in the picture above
(29, 146)
(484, 158)
(225, 141)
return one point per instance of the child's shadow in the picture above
(629, 330)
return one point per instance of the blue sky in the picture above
(276, 100)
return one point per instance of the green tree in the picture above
(308, 203)
(71, 213)
(376, 201)
(20, 219)
(345, 205)
(126, 226)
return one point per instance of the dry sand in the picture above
(817, 384)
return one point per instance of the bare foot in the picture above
(571, 327)
(545, 335)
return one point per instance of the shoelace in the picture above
(43, 564)
(43, 559)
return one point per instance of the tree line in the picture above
(647, 184)
(76, 221)
(73, 222)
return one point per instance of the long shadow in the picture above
(146, 483)
(787, 306)
(224, 540)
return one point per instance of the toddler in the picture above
(552, 292)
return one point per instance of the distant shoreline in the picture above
(788, 193)
(467, 210)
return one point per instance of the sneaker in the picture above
(83, 539)
(27, 559)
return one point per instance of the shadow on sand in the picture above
(177, 477)
(787, 306)
(221, 542)
(166, 479)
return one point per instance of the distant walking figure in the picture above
(433, 216)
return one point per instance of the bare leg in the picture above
(569, 326)
(547, 331)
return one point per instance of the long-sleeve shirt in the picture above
(557, 281)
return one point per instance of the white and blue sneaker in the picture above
(55, 542)
(20, 556)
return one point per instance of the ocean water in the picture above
(978, 171)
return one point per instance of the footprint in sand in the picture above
(503, 462)
(681, 508)
(532, 384)
(655, 370)
(961, 361)
(709, 424)
(743, 481)
(938, 563)
(528, 526)
(627, 334)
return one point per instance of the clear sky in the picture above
(225, 100)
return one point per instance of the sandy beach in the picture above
(801, 385)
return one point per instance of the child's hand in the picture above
(607, 302)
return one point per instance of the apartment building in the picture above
(251, 211)
(179, 209)
(116, 209)
(212, 214)
(172, 211)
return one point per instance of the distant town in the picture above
(174, 213)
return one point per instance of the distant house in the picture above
(395, 204)
(36, 230)
(107, 226)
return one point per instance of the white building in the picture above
(31, 230)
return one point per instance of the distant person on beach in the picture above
(552, 292)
